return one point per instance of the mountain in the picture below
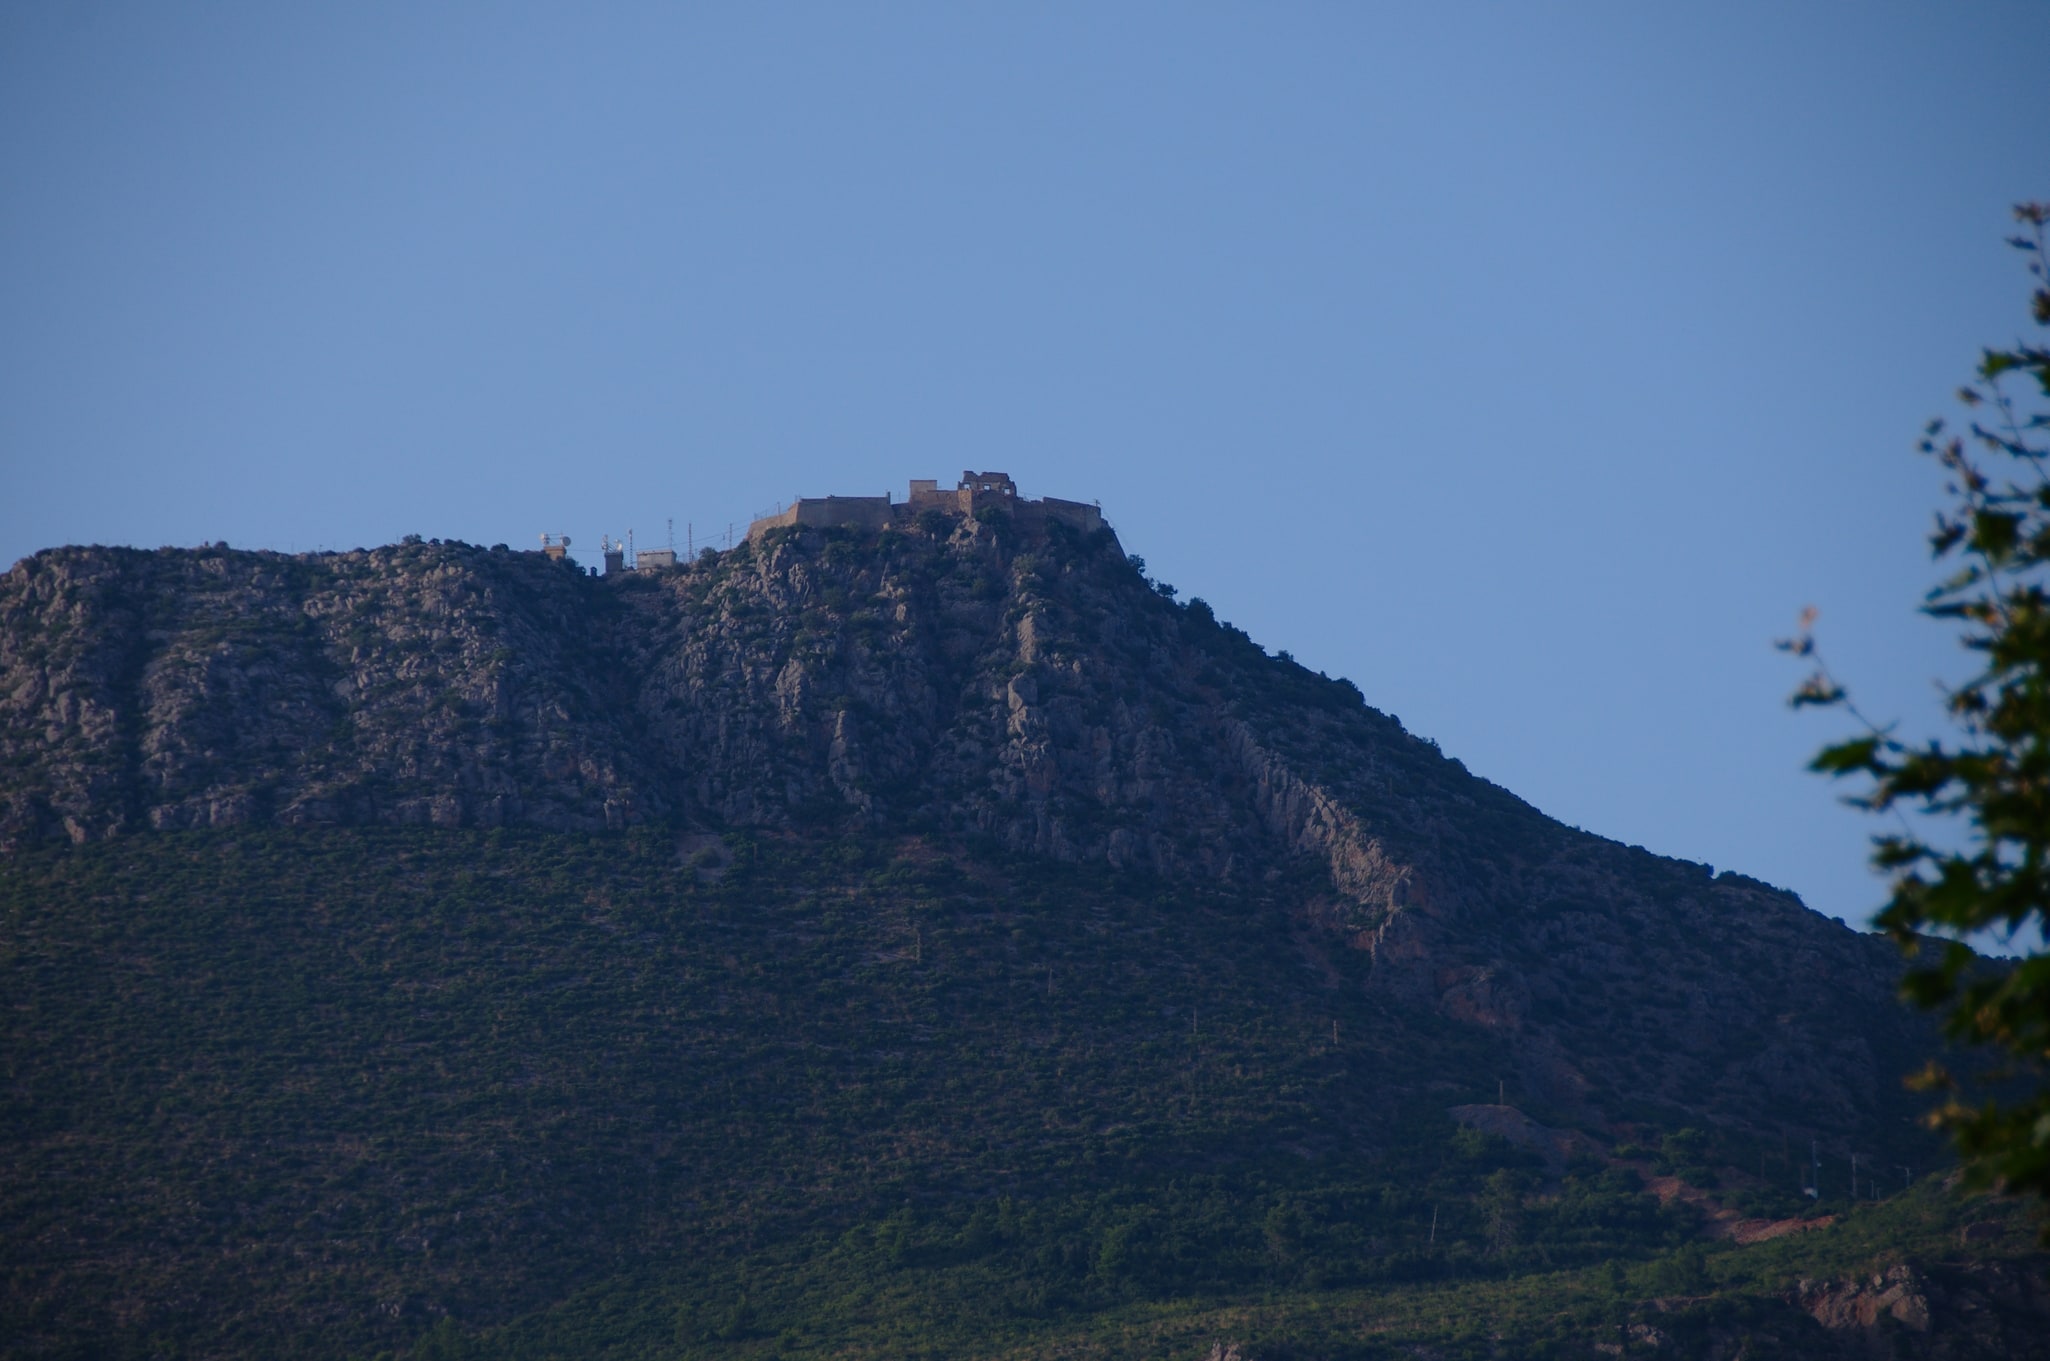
(441, 933)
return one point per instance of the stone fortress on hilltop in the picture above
(974, 494)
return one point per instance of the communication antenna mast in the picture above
(672, 533)
(629, 547)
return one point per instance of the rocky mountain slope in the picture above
(959, 678)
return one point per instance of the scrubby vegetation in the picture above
(296, 1092)
(970, 1287)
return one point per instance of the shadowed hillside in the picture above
(431, 931)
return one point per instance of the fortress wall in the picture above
(925, 497)
(829, 512)
(769, 522)
(833, 512)
(1082, 516)
(878, 512)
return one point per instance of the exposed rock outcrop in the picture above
(1987, 1309)
(964, 676)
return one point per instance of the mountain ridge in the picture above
(723, 904)
(959, 679)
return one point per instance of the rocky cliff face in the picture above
(961, 678)
(1990, 1309)
(196, 689)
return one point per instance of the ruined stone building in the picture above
(975, 493)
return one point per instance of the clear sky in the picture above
(1532, 365)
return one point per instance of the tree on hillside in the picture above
(1992, 771)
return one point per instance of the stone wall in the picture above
(829, 512)
(978, 492)
(1080, 514)
(926, 496)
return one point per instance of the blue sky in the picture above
(1530, 365)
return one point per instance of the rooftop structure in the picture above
(621, 555)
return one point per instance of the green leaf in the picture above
(1844, 758)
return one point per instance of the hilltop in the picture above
(956, 680)
(431, 931)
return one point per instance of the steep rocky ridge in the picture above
(957, 678)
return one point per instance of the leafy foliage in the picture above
(1995, 772)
